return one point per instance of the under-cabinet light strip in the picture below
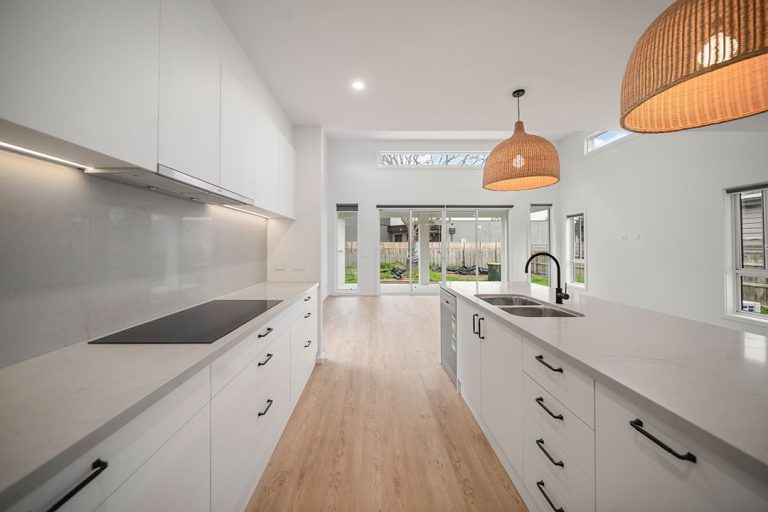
(244, 211)
(43, 156)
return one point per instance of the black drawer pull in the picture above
(540, 444)
(97, 468)
(269, 356)
(540, 359)
(308, 315)
(309, 342)
(637, 424)
(266, 409)
(540, 485)
(307, 299)
(480, 327)
(540, 401)
(474, 323)
(266, 333)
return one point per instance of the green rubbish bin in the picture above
(494, 271)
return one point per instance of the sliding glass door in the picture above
(419, 248)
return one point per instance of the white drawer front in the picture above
(574, 490)
(238, 357)
(636, 473)
(303, 354)
(237, 470)
(246, 394)
(124, 451)
(171, 479)
(570, 386)
(562, 426)
(306, 304)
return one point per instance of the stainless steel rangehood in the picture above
(172, 182)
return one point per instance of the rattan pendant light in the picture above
(700, 62)
(521, 162)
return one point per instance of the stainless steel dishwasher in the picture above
(448, 333)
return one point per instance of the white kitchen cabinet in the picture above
(171, 480)
(287, 177)
(190, 88)
(469, 356)
(267, 173)
(636, 473)
(238, 134)
(304, 342)
(502, 388)
(85, 72)
(126, 451)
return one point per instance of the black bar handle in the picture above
(480, 327)
(266, 333)
(307, 299)
(474, 323)
(637, 424)
(97, 468)
(266, 409)
(540, 485)
(540, 401)
(269, 356)
(540, 444)
(308, 315)
(540, 359)
(309, 342)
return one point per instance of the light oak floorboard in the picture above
(380, 426)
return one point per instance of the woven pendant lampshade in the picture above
(521, 162)
(701, 62)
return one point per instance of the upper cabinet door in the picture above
(190, 85)
(238, 135)
(287, 166)
(267, 145)
(84, 71)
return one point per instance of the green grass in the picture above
(764, 310)
(350, 275)
(537, 279)
(580, 280)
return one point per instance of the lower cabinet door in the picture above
(237, 470)
(303, 354)
(502, 383)
(175, 478)
(637, 473)
(469, 356)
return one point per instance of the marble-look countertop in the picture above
(709, 380)
(57, 406)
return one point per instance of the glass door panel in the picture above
(346, 251)
(426, 250)
(460, 246)
(395, 251)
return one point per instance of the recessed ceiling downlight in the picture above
(358, 85)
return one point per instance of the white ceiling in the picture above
(443, 65)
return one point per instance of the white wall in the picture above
(297, 243)
(353, 177)
(82, 256)
(667, 190)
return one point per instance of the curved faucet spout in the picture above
(559, 294)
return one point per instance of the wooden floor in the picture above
(380, 426)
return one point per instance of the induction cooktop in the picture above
(205, 323)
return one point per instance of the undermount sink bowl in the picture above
(539, 311)
(508, 300)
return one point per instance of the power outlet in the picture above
(299, 265)
(279, 265)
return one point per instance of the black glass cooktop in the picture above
(205, 323)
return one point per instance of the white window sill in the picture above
(747, 319)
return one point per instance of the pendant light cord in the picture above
(518, 108)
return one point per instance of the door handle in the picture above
(480, 327)
(97, 467)
(266, 409)
(637, 424)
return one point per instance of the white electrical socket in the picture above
(279, 265)
(299, 265)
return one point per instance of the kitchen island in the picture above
(697, 388)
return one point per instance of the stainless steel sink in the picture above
(539, 311)
(508, 300)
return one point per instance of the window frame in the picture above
(588, 141)
(550, 238)
(429, 167)
(569, 259)
(737, 269)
